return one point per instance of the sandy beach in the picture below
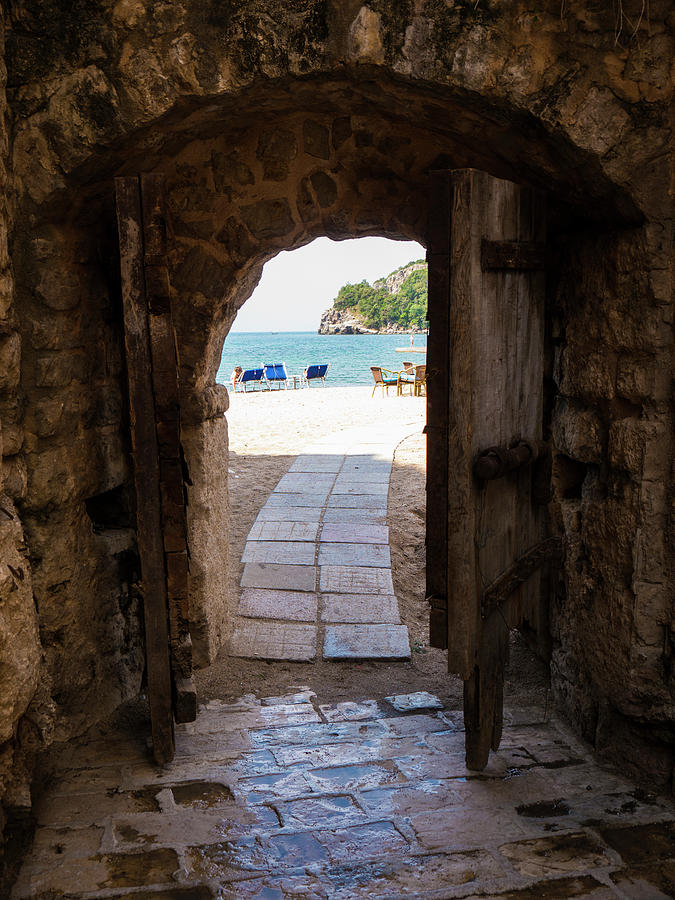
(267, 431)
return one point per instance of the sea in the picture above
(349, 356)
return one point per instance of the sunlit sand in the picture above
(283, 422)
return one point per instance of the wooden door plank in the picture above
(167, 412)
(438, 257)
(146, 466)
(484, 695)
(461, 558)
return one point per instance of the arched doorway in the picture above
(240, 189)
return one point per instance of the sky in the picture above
(298, 285)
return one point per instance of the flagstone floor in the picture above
(317, 573)
(289, 797)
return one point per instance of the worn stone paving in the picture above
(287, 797)
(322, 533)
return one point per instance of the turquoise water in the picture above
(350, 356)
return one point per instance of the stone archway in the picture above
(272, 129)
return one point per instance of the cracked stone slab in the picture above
(340, 516)
(355, 608)
(366, 642)
(368, 463)
(418, 700)
(299, 483)
(303, 694)
(374, 502)
(367, 474)
(342, 486)
(283, 531)
(339, 533)
(355, 580)
(286, 552)
(281, 577)
(281, 714)
(354, 555)
(297, 606)
(305, 499)
(289, 514)
(315, 462)
(273, 640)
(351, 711)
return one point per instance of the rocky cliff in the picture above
(346, 321)
(392, 283)
(336, 321)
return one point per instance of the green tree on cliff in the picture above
(377, 308)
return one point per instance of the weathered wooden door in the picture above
(485, 532)
(154, 416)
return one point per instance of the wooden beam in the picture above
(146, 466)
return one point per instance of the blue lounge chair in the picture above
(314, 373)
(254, 377)
(275, 373)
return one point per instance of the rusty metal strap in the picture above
(547, 551)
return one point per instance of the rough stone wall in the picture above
(614, 626)
(277, 122)
(20, 732)
(76, 511)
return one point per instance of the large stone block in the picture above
(62, 286)
(12, 439)
(20, 660)
(325, 188)
(237, 239)
(15, 476)
(315, 139)
(10, 361)
(276, 149)
(230, 172)
(626, 445)
(578, 432)
(201, 272)
(591, 376)
(600, 115)
(635, 377)
(85, 111)
(653, 611)
(205, 448)
(268, 218)
(60, 369)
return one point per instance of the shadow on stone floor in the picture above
(292, 797)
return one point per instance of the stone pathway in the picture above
(317, 573)
(287, 797)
